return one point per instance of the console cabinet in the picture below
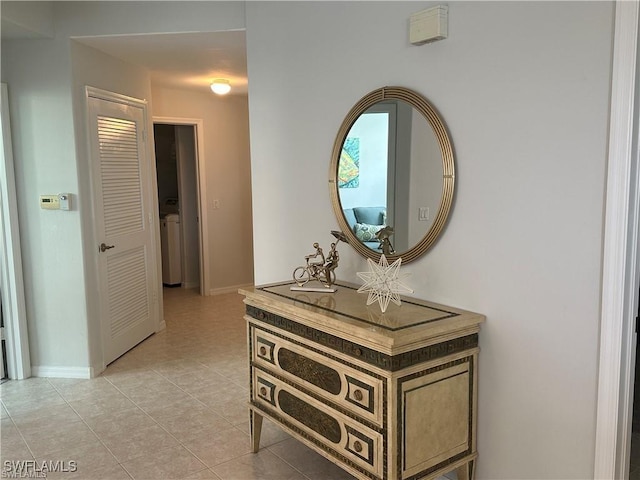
(385, 396)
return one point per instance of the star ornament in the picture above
(382, 282)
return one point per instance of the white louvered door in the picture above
(126, 276)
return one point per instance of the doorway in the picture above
(15, 340)
(180, 190)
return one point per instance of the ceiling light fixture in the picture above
(220, 86)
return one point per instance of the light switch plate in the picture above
(65, 201)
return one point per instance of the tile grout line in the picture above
(180, 443)
(97, 435)
(18, 430)
(118, 462)
(91, 429)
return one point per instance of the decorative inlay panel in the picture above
(313, 372)
(315, 419)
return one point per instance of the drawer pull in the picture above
(260, 315)
(263, 391)
(358, 352)
(357, 394)
(263, 351)
(357, 446)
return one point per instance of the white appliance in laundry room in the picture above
(170, 243)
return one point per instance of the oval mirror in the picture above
(392, 165)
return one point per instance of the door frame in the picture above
(201, 185)
(11, 275)
(620, 268)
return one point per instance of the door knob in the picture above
(104, 247)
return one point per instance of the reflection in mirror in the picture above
(392, 165)
(391, 162)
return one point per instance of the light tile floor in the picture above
(173, 407)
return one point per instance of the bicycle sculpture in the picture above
(318, 267)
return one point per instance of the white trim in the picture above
(198, 124)
(621, 225)
(62, 372)
(232, 289)
(93, 92)
(11, 279)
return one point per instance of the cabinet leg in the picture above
(466, 472)
(256, 430)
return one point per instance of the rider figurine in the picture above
(332, 262)
(318, 253)
(332, 259)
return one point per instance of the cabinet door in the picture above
(434, 416)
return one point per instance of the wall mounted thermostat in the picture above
(49, 202)
(62, 201)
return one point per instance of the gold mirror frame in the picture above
(418, 102)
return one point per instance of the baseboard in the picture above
(232, 289)
(62, 372)
(161, 326)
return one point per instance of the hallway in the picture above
(173, 407)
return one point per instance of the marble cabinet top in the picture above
(414, 323)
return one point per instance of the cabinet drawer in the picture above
(347, 387)
(335, 433)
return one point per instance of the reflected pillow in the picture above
(366, 232)
(370, 215)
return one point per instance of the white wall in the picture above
(228, 178)
(51, 241)
(372, 131)
(523, 89)
(425, 178)
(28, 19)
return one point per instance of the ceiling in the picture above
(178, 60)
(182, 60)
